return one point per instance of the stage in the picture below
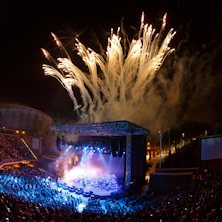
(98, 157)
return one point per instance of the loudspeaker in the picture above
(58, 143)
(120, 150)
(63, 140)
(114, 147)
(122, 146)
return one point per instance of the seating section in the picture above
(13, 149)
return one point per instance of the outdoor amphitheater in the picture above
(93, 172)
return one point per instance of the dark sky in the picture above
(26, 27)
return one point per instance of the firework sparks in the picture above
(115, 86)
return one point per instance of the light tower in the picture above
(160, 132)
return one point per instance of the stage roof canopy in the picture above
(115, 128)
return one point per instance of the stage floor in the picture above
(95, 191)
(95, 187)
(90, 188)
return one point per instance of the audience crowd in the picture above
(28, 193)
(13, 149)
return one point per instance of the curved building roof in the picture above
(19, 116)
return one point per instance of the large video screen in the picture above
(211, 148)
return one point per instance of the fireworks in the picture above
(116, 85)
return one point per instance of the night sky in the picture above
(26, 27)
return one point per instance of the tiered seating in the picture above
(13, 149)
